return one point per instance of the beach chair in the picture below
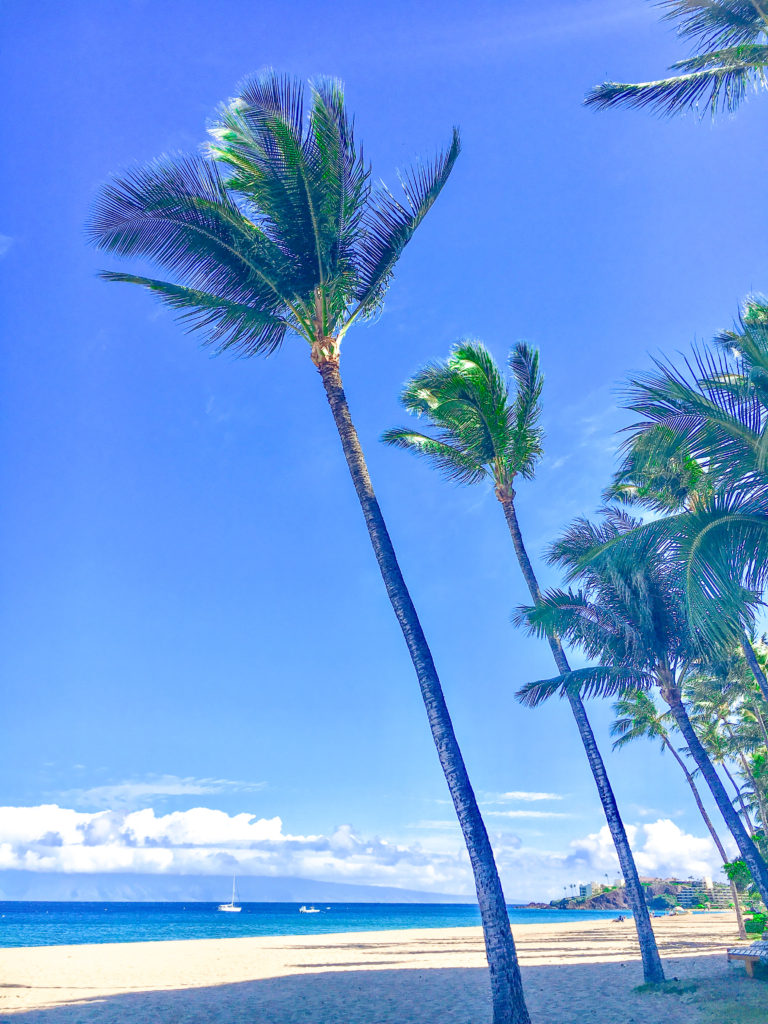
(756, 953)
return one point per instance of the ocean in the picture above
(56, 924)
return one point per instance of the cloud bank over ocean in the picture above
(48, 838)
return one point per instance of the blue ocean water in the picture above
(55, 924)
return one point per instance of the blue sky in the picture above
(191, 614)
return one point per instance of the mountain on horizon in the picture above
(107, 887)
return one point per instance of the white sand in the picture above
(573, 972)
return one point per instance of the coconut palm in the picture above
(484, 430)
(637, 717)
(631, 620)
(730, 55)
(699, 453)
(280, 230)
(715, 707)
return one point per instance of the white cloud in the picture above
(203, 840)
(523, 795)
(527, 814)
(661, 850)
(135, 792)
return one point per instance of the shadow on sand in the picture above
(567, 994)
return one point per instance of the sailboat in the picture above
(231, 907)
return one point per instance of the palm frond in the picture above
(597, 681)
(227, 324)
(526, 435)
(715, 23)
(179, 214)
(453, 463)
(389, 224)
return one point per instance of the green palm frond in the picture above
(480, 429)
(279, 229)
(526, 434)
(629, 613)
(719, 88)
(451, 462)
(731, 56)
(693, 414)
(716, 23)
(228, 324)
(637, 717)
(389, 223)
(597, 681)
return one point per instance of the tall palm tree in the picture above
(730, 54)
(279, 230)
(482, 432)
(631, 620)
(637, 717)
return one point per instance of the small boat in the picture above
(308, 910)
(231, 907)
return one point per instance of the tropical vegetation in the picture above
(487, 428)
(279, 230)
(730, 55)
(630, 618)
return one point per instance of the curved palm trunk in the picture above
(671, 694)
(754, 664)
(715, 837)
(506, 985)
(652, 969)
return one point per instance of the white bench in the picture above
(753, 954)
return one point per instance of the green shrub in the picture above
(756, 925)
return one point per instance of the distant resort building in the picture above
(703, 891)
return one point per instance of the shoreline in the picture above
(572, 972)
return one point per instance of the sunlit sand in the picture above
(577, 972)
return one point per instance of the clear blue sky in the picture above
(187, 591)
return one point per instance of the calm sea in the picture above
(55, 924)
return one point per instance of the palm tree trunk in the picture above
(740, 799)
(754, 664)
(715, 837)
(671, 694)
(506, 985)
(652, 968)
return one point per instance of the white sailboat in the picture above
(308, 910)
(231, 907)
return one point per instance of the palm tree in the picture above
(482, 432)
(699, 455)
(631, 620)
(279, 231)
(730, 54)
(637, 717)
(715, 707)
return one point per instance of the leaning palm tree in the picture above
(280, 230)
(730, 55)
(631, 620)
(482, 432)
(637, 717)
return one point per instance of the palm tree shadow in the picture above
(569, 994)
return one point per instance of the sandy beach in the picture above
(580, 972)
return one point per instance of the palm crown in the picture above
(708, 423)
(629, 617)
(730, 41)
(484, 425)
(277, 229)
